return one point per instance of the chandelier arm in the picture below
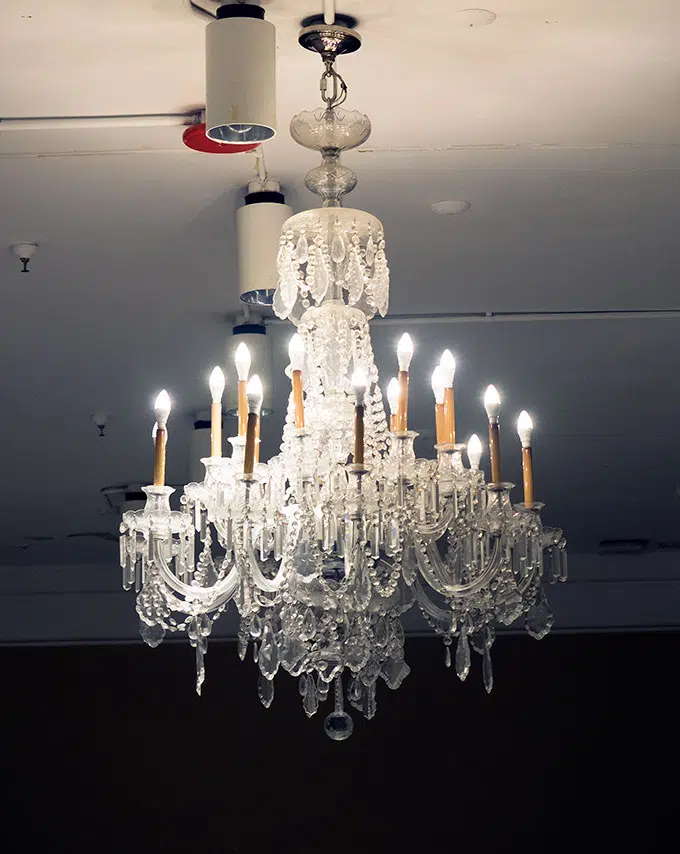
(436, 578)
(525, 583)
(267, 585)
(227, 586)
(434, 612)
(193, 608)
(436, 529)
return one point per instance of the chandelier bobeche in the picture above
(325, 546)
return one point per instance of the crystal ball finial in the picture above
(338, 726)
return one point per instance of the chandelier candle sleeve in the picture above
(525, 428)
(254, 397)
(242, 361)
(492, 404)
(404, 356)
(474, 451)
(439, 390)
(393, 401)
(296, 353)
(216, 392)
(448, 366)
(359, 384)
(162, 411)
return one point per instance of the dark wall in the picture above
(109, 749)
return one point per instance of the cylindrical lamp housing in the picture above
(240, 60)
(258, 229)
(200, 447)
(254, 335)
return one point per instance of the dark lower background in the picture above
(109, 749)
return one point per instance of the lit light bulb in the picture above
(216, 384)
(162, 409)
(242, 361)
(474, 451)
(448, 365)
(359, 384)
(525, 427)
(438, 384)
(393, 395)
(296, 352)
(492, 403)
(404, 351)
(254, 394)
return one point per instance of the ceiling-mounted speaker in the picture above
(258, 230)
(240, 75)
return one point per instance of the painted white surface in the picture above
(559, 123)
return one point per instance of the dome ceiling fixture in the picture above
(324, 547)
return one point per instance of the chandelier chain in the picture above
(330, 79)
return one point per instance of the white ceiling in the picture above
(559, 123)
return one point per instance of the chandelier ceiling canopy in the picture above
(326, 545)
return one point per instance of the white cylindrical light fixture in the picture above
(258, 230)
(254, 336)
(240, 61)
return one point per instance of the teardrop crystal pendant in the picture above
(487, 670)
(151, 635)
(319, 284)
(338, 248)
(540, 618)
(463, 656)
(200, 669)
(265, 690)
(302, 250)
(310, 702)
(370, 252)
(355, 279)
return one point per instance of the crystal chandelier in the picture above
(326, 545)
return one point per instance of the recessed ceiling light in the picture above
(474, 17)
(448, 207)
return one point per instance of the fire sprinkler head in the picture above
(100, 420)
(24, 252)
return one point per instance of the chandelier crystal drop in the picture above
(324, 547)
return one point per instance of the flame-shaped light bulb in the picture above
(254, 394)
(359, 385)
(404, 351)
(525, 428)
(393, 395)
(474, 451)
(438, 384)
(492, 403)
(162, 409)
(296, 352)
(242, 361)
(216, 383)
(448, 365)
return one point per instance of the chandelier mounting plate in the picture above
(329, 40)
